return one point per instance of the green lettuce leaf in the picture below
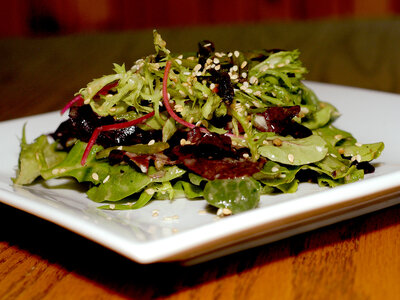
(237, 195)
(35, 157)
(295, 151)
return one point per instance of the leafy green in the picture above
(237, 194)
(295, 151)
(36, 157)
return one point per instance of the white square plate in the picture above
(185, 230)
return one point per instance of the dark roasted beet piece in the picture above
(206, 48)
(224, 85)
(141, 161)
(116, 157)
(83, 121)
(221, 122)
(211, 155)
(226, 168)
(279, 120)
(366, 166)
(206, 145)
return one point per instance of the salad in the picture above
(224, 127)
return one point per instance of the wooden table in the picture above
(355, 259)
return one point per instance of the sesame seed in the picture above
(175, 217)
(291, 157)
(202, 212)
(277, 142)
(257, 93)
(244, 75)
(151, 142)
(178, 108)
(319, 148)
(55, 171)
(222, 212)
(244, 64)
(196, 68)
(155, 213)
(245, 155)
(234, 76)
(275, 169)
(150, 191)
(95, 176)
(216, 61)
(226, 211)
(236, 53)
(230, 54)
(217, 67)
(282, 175)
(249, 91)
(106, 179)
(338, 136)
(235, 68)
(358, 144)
(304, 110)
(112, 206)
(253, 80)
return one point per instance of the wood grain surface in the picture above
(355, 259)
